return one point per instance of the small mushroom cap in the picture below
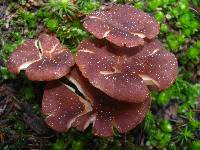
(107, 113)
(43, 59)
(122, 25)
(61, 106)
(103, 69)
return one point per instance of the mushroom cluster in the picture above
(110, 77)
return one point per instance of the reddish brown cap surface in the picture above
(108, 113)
(61, 106)
(43, 59)
(23, 56)
(159, 65)
(122, 25)
(126, 78)
(51, 68)
(163, 68)
(64, 108)
(49, 44)
(103, 70)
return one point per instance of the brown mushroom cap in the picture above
(62, 106)
(51, 68)
(126, 78)
(122, 25)
(103, 70)
(159, 65)
(23, 56)
(43, 59)
(49, 44)
(107, 113)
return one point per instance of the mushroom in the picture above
(61, 106)
(112, 78)
(122, 25)
(65, 109)
(43, 59)
(126, 78)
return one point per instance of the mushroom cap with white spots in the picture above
(107, 113)
(122, 25)
(43, 59)
(23, 56)
(126, 78)
(65, 109)
(61, 106)
(159, 65)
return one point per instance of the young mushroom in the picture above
(65, 109)
(43, 59)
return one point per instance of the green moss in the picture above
(87, 7)
(139, 5)
(153, 4)
(77, 145)
(52, 24)
(59, 145)
(193, 53)
(159, 16)
(195, 145)
(166, 126)
(61, 8)
(163, 28)
(29, 18)
(5, 74)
